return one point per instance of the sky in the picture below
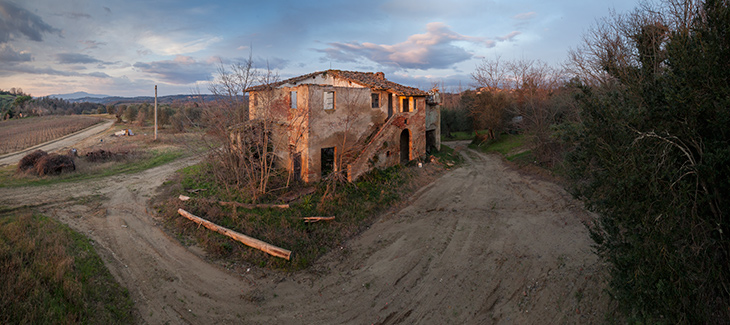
(125, 48)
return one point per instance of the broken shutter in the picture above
(329, 100)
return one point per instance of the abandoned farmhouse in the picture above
(346, 121)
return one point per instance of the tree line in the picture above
(178, 115)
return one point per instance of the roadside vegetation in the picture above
(354, 206)
(50, 274)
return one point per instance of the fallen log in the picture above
(315, 219)
(246, 240)
(239, 205)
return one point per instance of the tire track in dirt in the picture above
(482, 244)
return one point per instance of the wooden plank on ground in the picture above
(246, 240)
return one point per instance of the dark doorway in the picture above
(297, 166)
(431, 141)
(390, 105)
(405, 146)
(327, 160)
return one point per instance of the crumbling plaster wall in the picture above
(384, 149)
(343, 127)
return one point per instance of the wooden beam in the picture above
(315, 219)
(246, 240)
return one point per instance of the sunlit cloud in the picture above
(525, 15)
(167, 46)
(435, 49)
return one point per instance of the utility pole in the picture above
(155, 112)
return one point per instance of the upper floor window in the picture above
(329, 100)
(375, 100)
(293, 98)
(406, 105)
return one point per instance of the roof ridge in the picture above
(375, 80)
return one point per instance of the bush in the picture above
(54, 164)
(99, 155)
(653, 161)
(28, 162)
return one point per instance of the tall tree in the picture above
(654, 158)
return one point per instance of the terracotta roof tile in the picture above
(374, 80)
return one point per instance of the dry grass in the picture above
(24, 133)
(50, 274)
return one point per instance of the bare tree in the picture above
(243, 147)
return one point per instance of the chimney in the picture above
(380, 75)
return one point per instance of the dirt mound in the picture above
(28, 162)
(54, 164)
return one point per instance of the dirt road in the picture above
(482, 244)
(65, 142)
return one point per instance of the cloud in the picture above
(181, 70)
(25, 68)
(168, 46)
(77, 15)
(509, 36)
(272, 63)
(8, 54)
(434, 49)
(16, 21)
(75, 58)
(525, 15)
(92, 44)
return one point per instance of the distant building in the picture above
(345, 120)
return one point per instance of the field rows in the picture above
(19, 134)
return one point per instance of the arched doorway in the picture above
(405, 146)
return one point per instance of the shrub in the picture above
(99, 155)
(28, 162)
(54, 164)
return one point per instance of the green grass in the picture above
(154, 158)
(447, 155)
(504, 144)
(50, 274)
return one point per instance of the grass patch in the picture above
(448, 156)
(523, 158)
(462, 135)
(50, 274)
(504, 144)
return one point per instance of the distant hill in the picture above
(116, 100)
(76, 95)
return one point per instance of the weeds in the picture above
(50, 274)
(355, 206)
